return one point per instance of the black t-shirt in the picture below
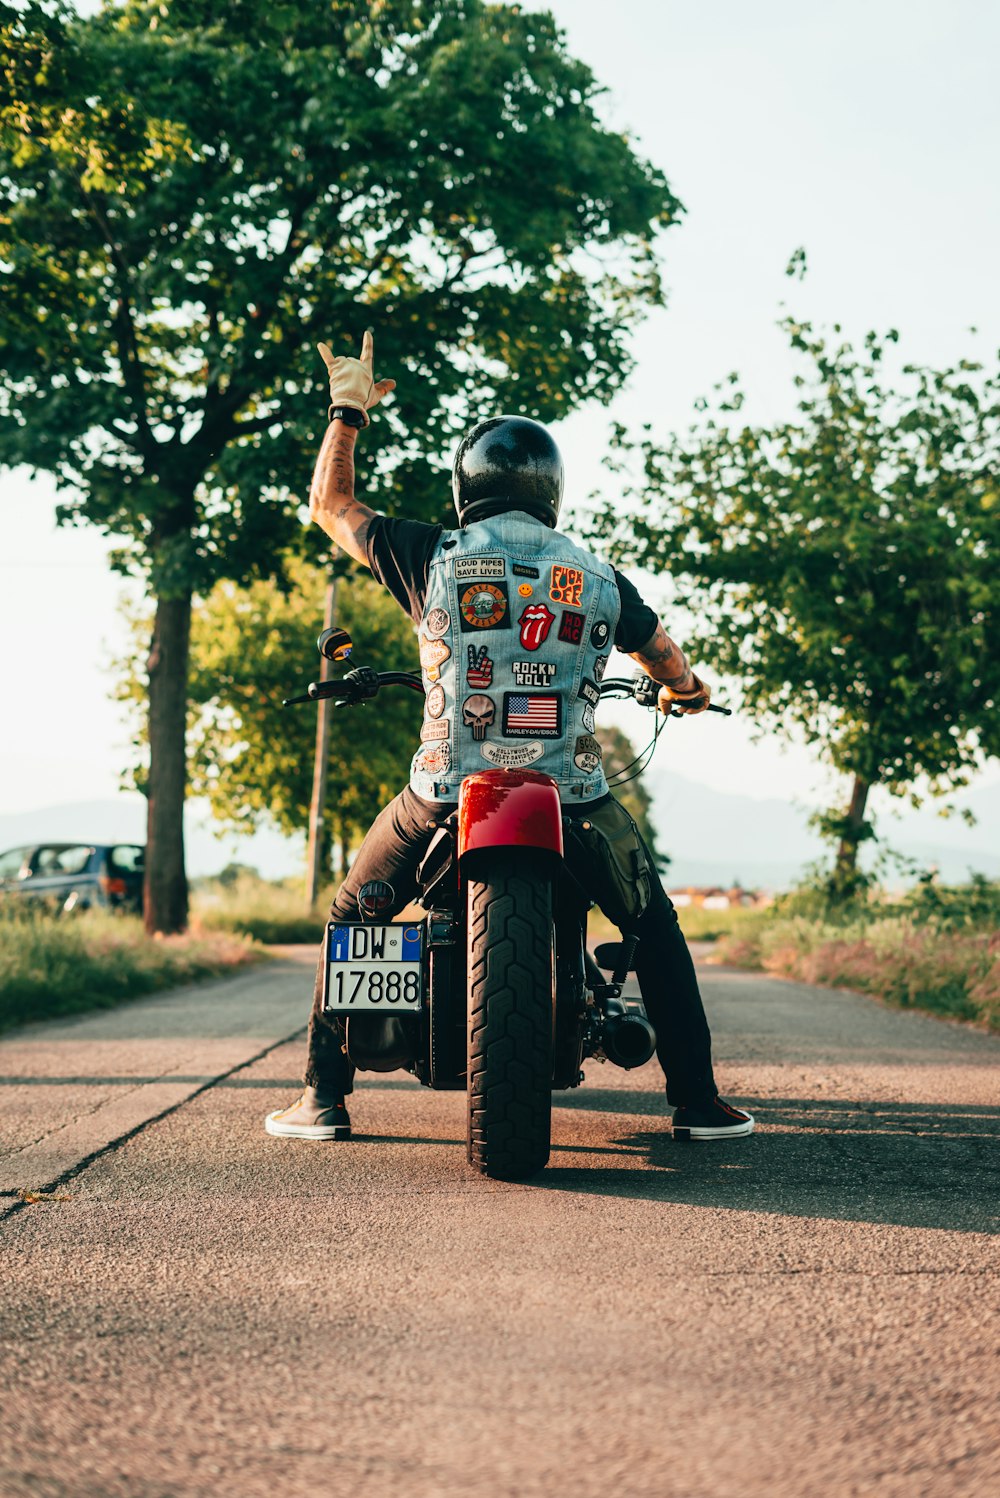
(399, 555)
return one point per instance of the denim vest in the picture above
(515, 636)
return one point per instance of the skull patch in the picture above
(478, 712)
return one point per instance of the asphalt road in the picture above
(198, 1309)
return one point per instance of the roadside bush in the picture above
(908, 962)
(250, 906)
(57, 965)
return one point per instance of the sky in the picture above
(866, 133)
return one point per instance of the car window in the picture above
(63, 860)
(127, 859)
(10, 862)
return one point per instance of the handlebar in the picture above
(359, 685)
(362, 684)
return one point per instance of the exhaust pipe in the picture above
(628, 1040)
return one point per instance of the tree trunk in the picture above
(166, 890)
(852, 837)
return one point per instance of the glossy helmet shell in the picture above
(507, 463)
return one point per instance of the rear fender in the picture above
(509, 809)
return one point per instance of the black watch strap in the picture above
(349, 415)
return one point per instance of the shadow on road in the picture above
(916, 1165)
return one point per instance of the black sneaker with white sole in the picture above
(314, 1116)
(715, 1120)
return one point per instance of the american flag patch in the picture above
(532, 715)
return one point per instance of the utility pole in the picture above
(323, 719)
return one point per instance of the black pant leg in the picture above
(396, 842)
(669, 987)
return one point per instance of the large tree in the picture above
(192, 194)
(841, 564)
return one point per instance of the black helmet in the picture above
(508, 463)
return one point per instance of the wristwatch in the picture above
(349, 415)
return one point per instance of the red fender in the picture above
(509, 809)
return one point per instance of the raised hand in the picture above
(352, 383)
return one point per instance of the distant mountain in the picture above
(713, 837)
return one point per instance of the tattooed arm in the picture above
(666, 663)
(331, 499)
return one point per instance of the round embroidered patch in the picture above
(483, 606)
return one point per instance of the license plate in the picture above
(374, 968)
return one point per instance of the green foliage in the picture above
(51, 966)
(192, 194)
(620, 754)
(270, 913)
(253, 759)
(902, 959)
(842, 564)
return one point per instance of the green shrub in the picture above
(906, 961)
(63, 965)
(270, 913)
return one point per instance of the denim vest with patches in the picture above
(515, 636)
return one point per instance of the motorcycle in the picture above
(493, 992)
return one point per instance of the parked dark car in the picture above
(75, 876)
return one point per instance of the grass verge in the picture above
(271, 913)
(52, 966)
(898, 958)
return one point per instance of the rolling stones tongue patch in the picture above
(484, 606)
(535, 621)
(479, 672)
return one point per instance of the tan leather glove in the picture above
(694, 701)
(351, 380)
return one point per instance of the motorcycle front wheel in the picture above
(510, 984)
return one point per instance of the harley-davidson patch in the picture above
(465, 567)
(434, 702)
(436, 729)
(433, 654)
(521, 569)
(436, 623)
(587, 754)
(484, 606)
(533, 673)
(571, 627)
(532, 715)
(511, 756)
(535, 621)
(566, 586)
(600, 634)
(479, 672)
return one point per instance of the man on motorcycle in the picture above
(509, 613)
